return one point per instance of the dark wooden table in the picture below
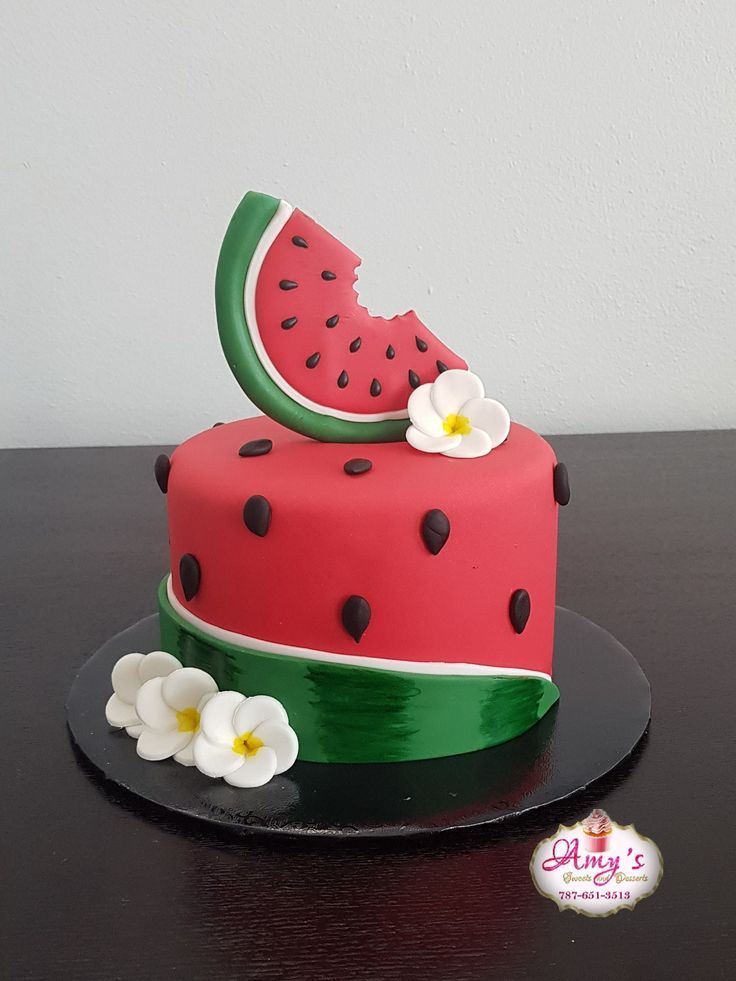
(95, 885)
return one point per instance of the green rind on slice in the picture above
(244, 232)
(347, 714)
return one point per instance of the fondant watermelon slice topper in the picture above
(298, 341)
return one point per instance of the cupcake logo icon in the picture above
(596, 867)
(597, 830)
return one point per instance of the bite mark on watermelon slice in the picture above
(297, 338)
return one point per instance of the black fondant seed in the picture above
(414, 379)
(216, 424)
(256, 447)
(435, 530)
(421, 345)
(520, 606)
(561, 484)
(332, 321)
(390, 353)
(355, 345)
(343, 379)
(299, 241)
(326, 274)
(257, 515)
(289, 323)
(356, 615)
(189, 575)
(376, 388)
(161, 469)
(288, 284)
(441, 366)
(313, 360)
(357, 466)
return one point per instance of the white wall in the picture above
(550, 184)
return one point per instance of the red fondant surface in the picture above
(333, 536)
(313, 302)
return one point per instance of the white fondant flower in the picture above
(452, 416)
(245, 740)
(131, 672)
(170, 709)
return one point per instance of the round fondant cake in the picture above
(367, 572)
(399, 604)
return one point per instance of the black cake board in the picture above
(602, 713)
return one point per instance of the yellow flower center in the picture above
(247, 744)
(457, 425)
(188, 720)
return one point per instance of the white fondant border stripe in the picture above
(274, 227)
(356, 660)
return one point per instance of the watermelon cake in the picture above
(365, 572)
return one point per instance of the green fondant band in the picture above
(347, 714)
(245, 231)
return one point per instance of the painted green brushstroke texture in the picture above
(347, 714)
(244, 232)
